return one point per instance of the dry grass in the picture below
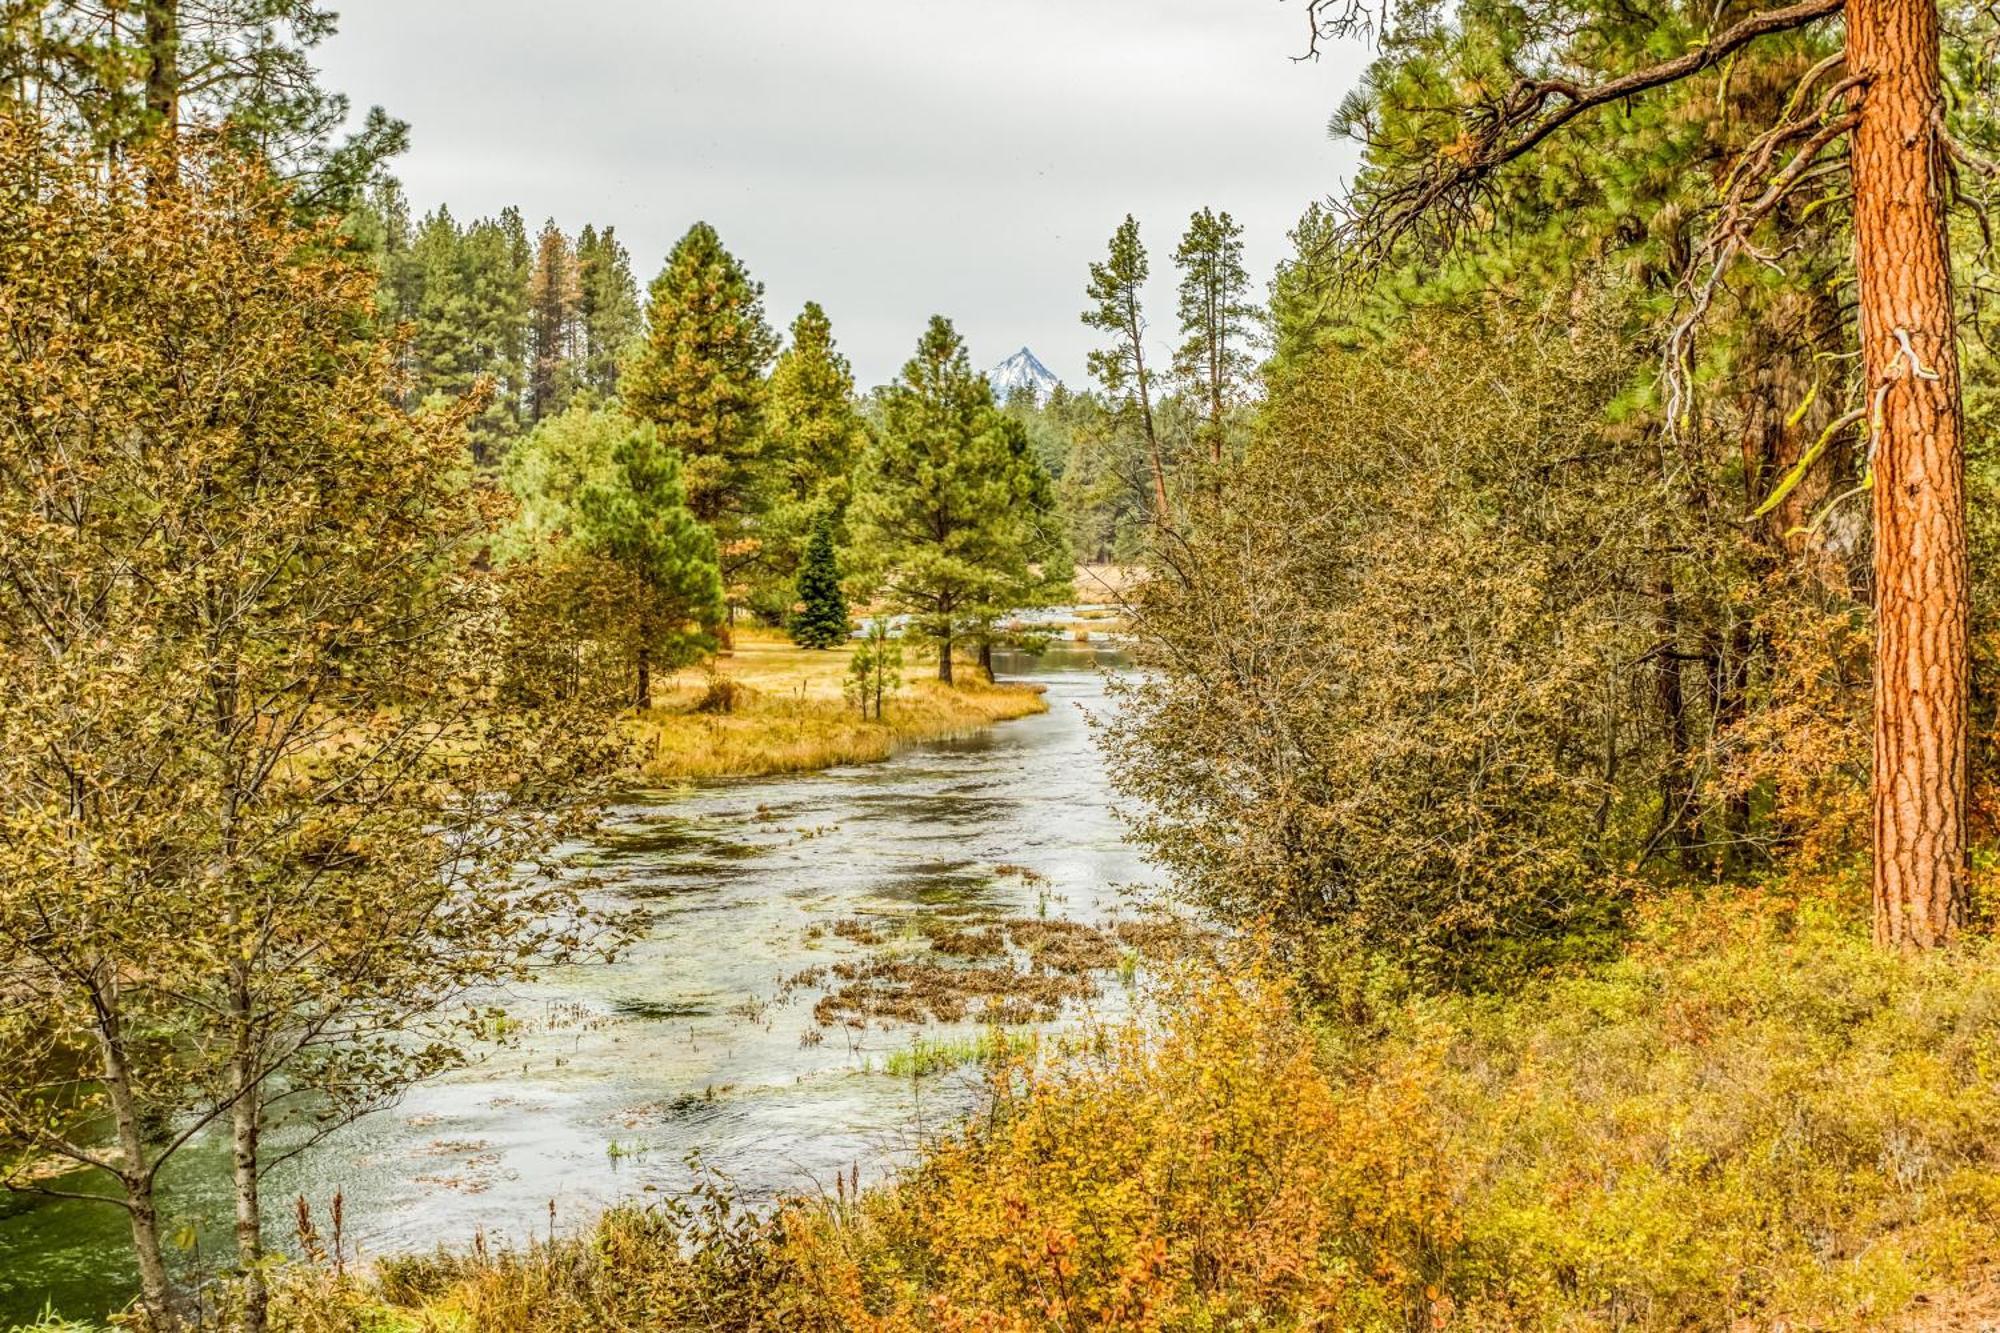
(787, 714)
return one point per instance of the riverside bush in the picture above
(1750, 1115)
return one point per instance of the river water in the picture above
(690, 1044)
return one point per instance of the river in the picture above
(615, 1075)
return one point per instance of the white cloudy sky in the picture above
(888, 158)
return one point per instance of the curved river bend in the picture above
(690, 1043)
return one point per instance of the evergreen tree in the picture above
(1804, 151)
(607, 308)
(699, 378)
(553, 466)
(114, 73)
(937, 522)
(1046, 576)
(470, 292)
(1116, 293)
(1217, 320)
(639, 521)
(555, 297)
(815, 435)
(821, 621)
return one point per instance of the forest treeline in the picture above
(548, 319)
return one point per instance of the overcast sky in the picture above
(890, 159)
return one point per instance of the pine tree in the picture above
(815, 435)
(1869, 146)
(1116, 293)
(1217, 320)
(114, 73)
(1046, 575)
(821, 621)
(639, 521)
(938, 525)
(699, 378)
(608, 309)
(554, 297)
(470, 293)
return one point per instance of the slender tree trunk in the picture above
(1677, 795)
(642, 698)
(1135, 330)
(156, 1290)
(944, 658)
(245, 1122)
(163, 83)
(986, 659)
(1218, 350)
(1725, 659)
(1922, 664)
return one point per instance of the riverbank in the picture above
(769, 707)
(1752, 1119)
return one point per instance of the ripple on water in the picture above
(692, 1043)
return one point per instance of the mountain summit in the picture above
(1023, 370)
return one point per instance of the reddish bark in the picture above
(1903, 273)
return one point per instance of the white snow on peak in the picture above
(1023, 370)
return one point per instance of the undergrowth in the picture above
(1750, 1115)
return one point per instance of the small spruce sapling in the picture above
(821, 619)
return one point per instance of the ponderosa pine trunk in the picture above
(1922, 664)
(642, 695)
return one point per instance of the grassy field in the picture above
(769, 706)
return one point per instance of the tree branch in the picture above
(1534, 109)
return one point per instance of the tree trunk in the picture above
(1677, 794)
(244, 1123)
(986, 659)
(1922, 666)
(642, 698)
(249, 1212)
(944, 659)
(1135, 331)
(156, 1290)
(162, 120)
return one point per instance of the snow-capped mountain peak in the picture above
(1023, 370)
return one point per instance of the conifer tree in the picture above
(470, 293)
(821, 620)
(815, 435)
(1117, 296)
(1876, 115)
(607, 308)
(639, 521)
(113, 74)
(699, 378)
(555, 297)
(1217, 319)
(937, 521)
